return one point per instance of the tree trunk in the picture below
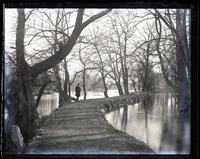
(139, 84)
(69, 90)
(183, 98)
(125, 78)
(165, 76)
(63, 97)
(144, 84)
(182, 87)
(102, 70)
(145, 80)
(45, 83)
(66, 49)
(25, 107)
(66, 82)
(134, 84)
(10, 93)
(124, 68)
(104, 84)
(25, 110)
(126, 81)
(119, 87)
(84, 84)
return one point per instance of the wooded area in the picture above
(118, 47)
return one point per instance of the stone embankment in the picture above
(81, 128)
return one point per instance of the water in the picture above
(49, 102)
(94, 94)
(156, 122)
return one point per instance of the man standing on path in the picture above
(78, 91)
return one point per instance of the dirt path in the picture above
(79, 128)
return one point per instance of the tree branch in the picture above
(45, 83)
(66, 49)
(95, 17)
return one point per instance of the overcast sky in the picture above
(10, 27)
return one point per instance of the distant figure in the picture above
(78, 91)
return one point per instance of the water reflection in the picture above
(124, 118)
(156, 122)
(48, 103)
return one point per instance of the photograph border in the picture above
(194, 6)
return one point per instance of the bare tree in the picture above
(84, 60)
(144, 56)
(96, 42)
(123, 27)
(114, 71)
(24, 104)
(178, 28)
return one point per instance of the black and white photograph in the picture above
(97, 81)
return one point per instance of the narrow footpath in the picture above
(80, 128)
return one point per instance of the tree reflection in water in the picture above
(156, 122)
(147, 104)
(124, 117)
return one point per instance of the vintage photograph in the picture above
(97, 81)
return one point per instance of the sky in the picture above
(10, 24)
(10, 21)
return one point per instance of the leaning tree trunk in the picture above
(42, 88)
(119, 87)
(134, 84)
